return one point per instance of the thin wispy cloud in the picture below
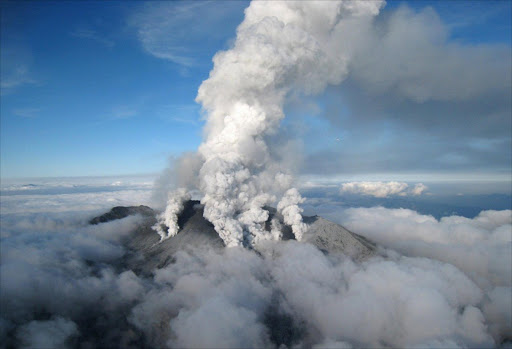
(27, 112)
(93, 35)
(16, 60)
(182, 31)
(18, 76)
(16, 72)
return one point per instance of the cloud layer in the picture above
(382, 189)
(480, 247)
(64, 281)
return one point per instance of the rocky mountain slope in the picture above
(147, 253)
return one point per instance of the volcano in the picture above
(146, 252)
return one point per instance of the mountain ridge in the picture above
(147, 252)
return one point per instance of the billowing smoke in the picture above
(292, 212)
(170, 216)
(281, 48)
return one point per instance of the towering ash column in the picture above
(281, 48)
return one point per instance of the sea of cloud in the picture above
(434, 283)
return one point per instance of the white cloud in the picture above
(182, 32)
(77, 195)
(317, 299)
(429, 66)
(382, 189)
(417, 99)
(419, 189)
(402, 302)
(481, 247)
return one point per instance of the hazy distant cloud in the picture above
(93, 35)
(63, 195)
(382, 189)
(184, 32)
(381, 147)
(410, 54)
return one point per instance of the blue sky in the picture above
(108, 88)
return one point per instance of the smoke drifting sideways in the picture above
(281, 49)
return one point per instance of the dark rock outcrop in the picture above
(119, 212)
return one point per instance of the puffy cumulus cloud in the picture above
(419, 189)
(292, 294)
(206, 299)
(481, 247)
(69, 271)
(382, 189)
(60, 278)
(377, 189)
(379, 303)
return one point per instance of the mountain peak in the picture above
(148, 253)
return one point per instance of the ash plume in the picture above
(281, 49)
(169, 217)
